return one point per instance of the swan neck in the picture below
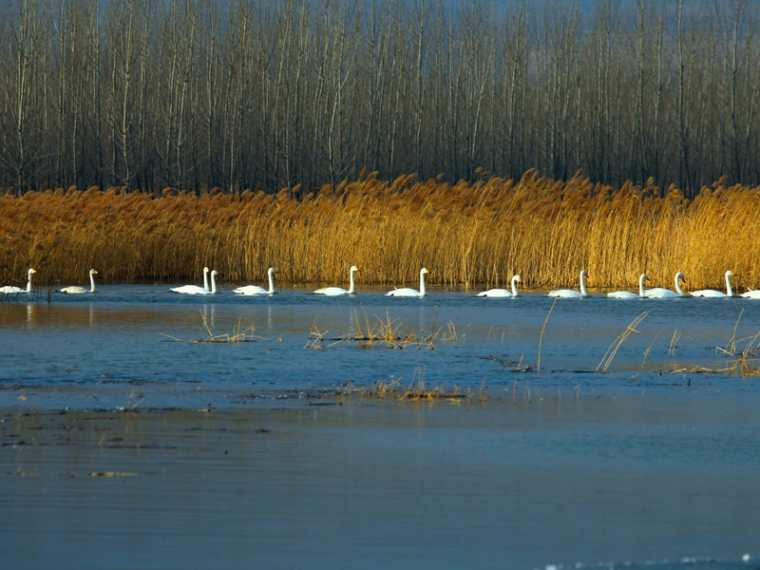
(583, 284)
(92, 283)
(514, 286)
(350, 282)
(422, 283)
(213, 283)
(29, 284)
(641, 286)
(205, 281)
(271, 282)
(729, 287)
(678, 285)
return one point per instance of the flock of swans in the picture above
(581, 292)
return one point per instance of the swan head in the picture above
(206, 270)
(517, 278)
(353, 269)
(271, 270)
(32, 271)
(680, 277)
(214, 273)
(423, 271)
(729, 273)
(93, 271)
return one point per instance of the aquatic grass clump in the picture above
(384, 332)
(239, 334)
(466, 233)
(417, 391)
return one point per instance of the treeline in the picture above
(197, 94)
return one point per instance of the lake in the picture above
(126, 443)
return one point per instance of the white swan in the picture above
(251, 290)
(712, 293)
(660, 293)
(10, 290)
(625, 295)
(751, 294)
(502, 293)
(572, 293)
(77, 290)
(411, 292)
(338, 291)
(194, 289)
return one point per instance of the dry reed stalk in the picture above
(673, 344)
(469, 233)
(609, 356)
(730, 348)
(541, 334)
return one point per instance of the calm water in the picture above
(560, 467)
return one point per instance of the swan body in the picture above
(572, 293)
(628, 295)
(252, 290)
(10, 290)
(714, 294)
(751, 294)
(406, 292)
(502, 293)
(194, 289)
(339, 291)
(77, 290)
(661, 293)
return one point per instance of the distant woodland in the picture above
(198, 94)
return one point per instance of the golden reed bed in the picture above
(466, 234)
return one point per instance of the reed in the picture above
(465, 233)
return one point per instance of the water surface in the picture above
(121, 448)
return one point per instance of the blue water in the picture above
(241, 455)
(123, 335)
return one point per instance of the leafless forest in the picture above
(196, 94)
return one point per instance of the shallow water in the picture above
(514, 485)
(562, 466)
(117, 339)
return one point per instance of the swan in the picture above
(9, 290)
(251, 290)
(411, 292)
(625, 295)
(194, 289)
(660, 293)
(77, 290)
(502, 293)
(751, 294)
(712, 293)
(338, 291)
(572, 293)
